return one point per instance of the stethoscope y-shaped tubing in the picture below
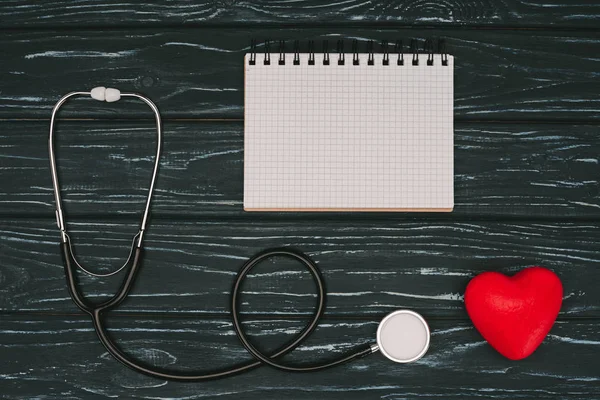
(97, 311)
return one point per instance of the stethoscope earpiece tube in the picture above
(109, 95)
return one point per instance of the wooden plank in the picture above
(61, 358)
(503, 170)
(370, 267)
(198, 73)
(84, 13)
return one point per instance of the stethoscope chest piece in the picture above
(403, 336)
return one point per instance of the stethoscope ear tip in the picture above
(403, 336)
(102, 93)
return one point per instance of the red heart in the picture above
(514, 314)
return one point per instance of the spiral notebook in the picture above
(348, 131)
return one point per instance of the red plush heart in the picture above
(514, 314)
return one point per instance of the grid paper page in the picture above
(348, 137)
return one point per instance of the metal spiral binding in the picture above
(340, 49)
(296, 52)
(355, 52)
(311, 52)
(282, 52)
(443, 52)
(400, 52)
(385, 51)
(252, 52)
(267, 60)
(414, 49)
(428, 49)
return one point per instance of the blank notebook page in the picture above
(348, 137)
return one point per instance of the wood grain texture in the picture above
(526, 107)
(500, 169)
(198, 73)
(370, 268)
(65, 361)
(84, 13)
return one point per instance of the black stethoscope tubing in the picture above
(98, 311)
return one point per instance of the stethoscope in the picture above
(402, 336)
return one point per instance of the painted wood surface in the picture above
(539, 171)
(196, 73)
(526, 145)
(85, 13)
(64, 361)
(371, 267)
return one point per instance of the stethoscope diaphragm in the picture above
(403, 336)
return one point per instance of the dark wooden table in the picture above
(527, 140)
